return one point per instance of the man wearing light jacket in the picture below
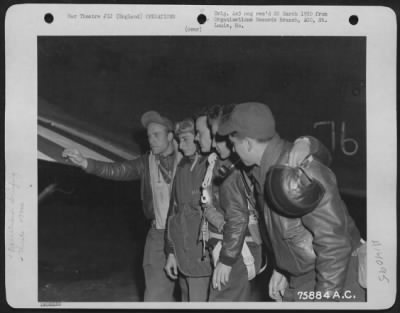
(156, 171)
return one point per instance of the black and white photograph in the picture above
(93, 93)
(204, 168)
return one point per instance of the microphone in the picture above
(224, 171)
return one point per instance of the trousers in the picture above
(238, 286)
(194, 289)
(158, 286)
(352, 291)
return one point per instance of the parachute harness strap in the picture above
(206, 199)
(208, 177)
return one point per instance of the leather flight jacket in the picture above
(126, 171)
(233, 204)
(321, 240)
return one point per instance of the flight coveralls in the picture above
(184, 230)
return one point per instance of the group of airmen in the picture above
(226, 195)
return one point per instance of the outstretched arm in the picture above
(128, 170)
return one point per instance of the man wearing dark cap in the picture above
(156, 171)
(313, 239)
(237, 255)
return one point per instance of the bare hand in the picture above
(221, 275)
(300, 150)
(277, 285)
(171, 267)
(75, 156)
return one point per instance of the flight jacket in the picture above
(129, 170)
(322, 240)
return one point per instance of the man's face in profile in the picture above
(203, 135)
(158, 137)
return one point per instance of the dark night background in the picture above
(57, 218)
(92, 231)
(106, 83)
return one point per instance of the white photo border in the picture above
(377, 24)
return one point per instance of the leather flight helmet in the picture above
(291, 192)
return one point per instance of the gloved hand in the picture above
(300, 150)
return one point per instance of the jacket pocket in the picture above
(299, 243)
(302, 252)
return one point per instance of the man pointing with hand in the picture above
(156, 171)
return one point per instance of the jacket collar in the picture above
(171, 155)
(190, 159)
(269, 158)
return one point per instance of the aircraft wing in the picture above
(54, 137)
